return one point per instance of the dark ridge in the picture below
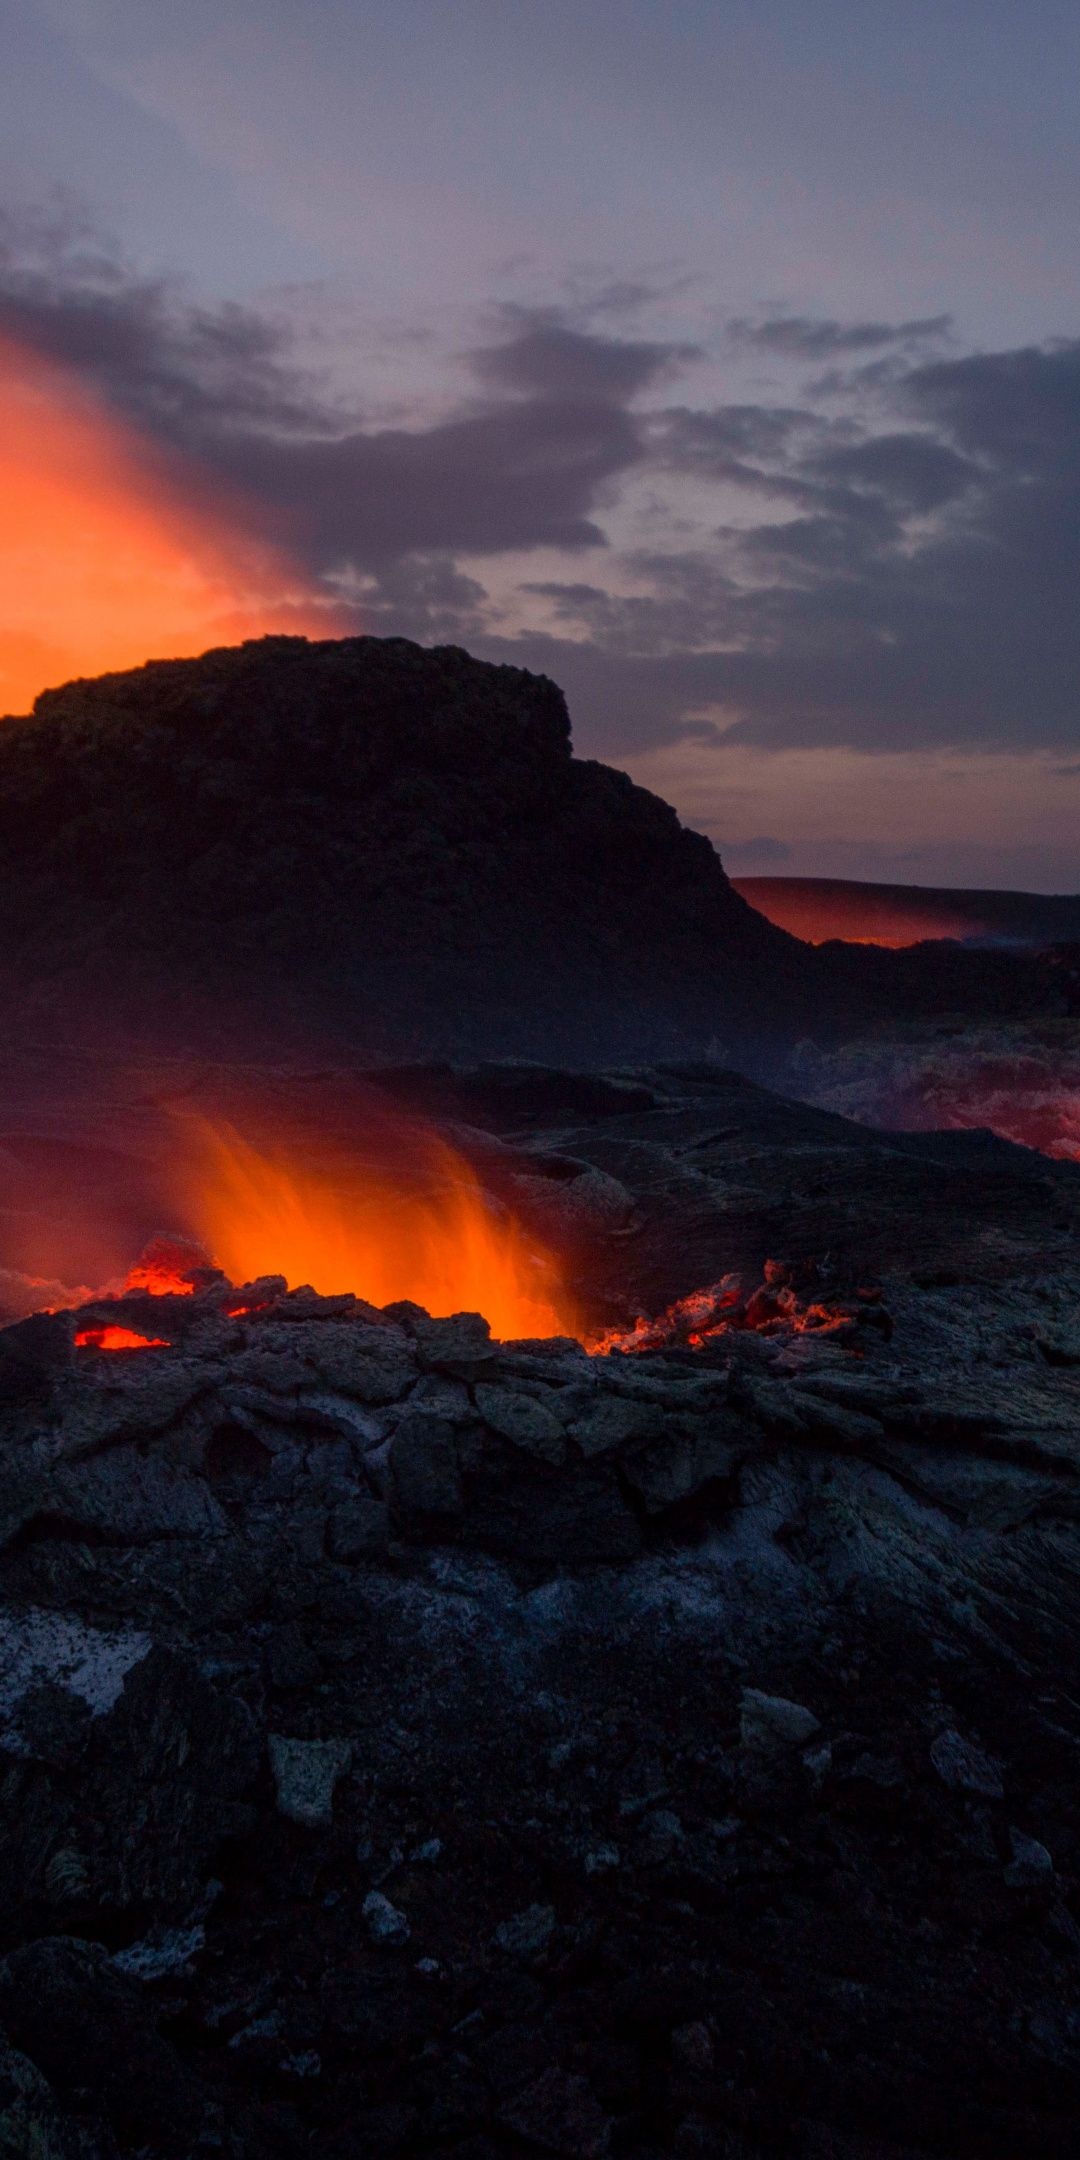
(367, 842)
(369, 847)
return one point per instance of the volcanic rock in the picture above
(372, 1782)
(965, 1766)
(424, 1467)
(1030, 1865)
(385, 1924)
(381, 846)
(768, 1724)
(305, 1774)
(527, 1933)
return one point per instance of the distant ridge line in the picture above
(861, 911)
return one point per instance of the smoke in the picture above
(105, 558)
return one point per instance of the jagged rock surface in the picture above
(414, 1744)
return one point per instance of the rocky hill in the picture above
(367, 843)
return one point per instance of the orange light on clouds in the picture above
(105, 561)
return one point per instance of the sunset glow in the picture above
(103, 561)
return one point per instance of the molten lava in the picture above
(118, 1338)
(415, 1223)
(397, 1215)
(726, 1307)
(168, 1267)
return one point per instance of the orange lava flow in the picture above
(422, 1229)
(160, 1282)
(118, 1338)
(107, 556)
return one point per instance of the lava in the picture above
(118, 1338)
(395, 1214)
(727, 1307)
(414, 1223)
(1022, 1083)
(170, 1267)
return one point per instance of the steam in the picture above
(108, 556)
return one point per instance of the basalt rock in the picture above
(386, 1767)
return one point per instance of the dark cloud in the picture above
(547, 357)
(907, 577)
(920, 594)
(751, 854)
(218, 389)
(180, 371)
(809, 337)
(686, 600)
(748, 445)
(514, 476)
(1021, 409)
(914, 472)
(426, 597)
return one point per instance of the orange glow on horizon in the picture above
(817, 912)
(419, 1227)
(105, 561)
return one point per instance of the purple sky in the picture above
(721, 360)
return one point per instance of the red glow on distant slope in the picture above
(817, 909)
(107, 558)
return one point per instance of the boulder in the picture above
(964, 1766)
(305, 1774)
(770, 1725)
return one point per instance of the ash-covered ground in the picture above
(419, 1745)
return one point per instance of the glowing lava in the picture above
(726, 1307)
(419, 1227)
(118, 1338)
(168, 1267)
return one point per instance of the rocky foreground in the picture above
(415, 1744)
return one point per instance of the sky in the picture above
(720, 361)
